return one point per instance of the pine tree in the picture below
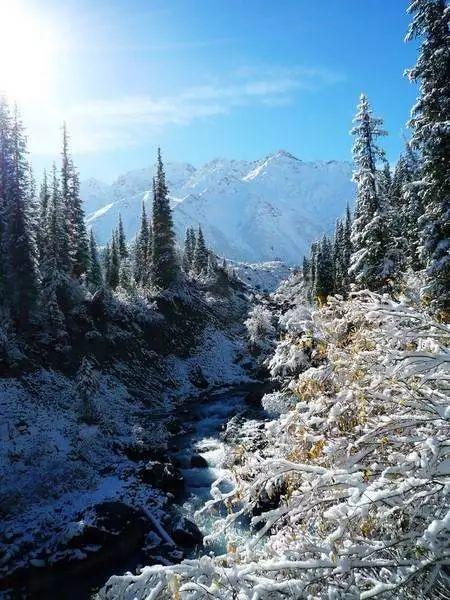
(6, 169)
(189, 249)
(413, 210)
(44, 204)
(78, 250)
(431, 135)
(338, 259)
(123, 249)
(323, 279)
(22, 271)
(347, 253)
(107, 263)
(94, 274)
(200, 260)
(369, 236)
(164, 266)
(114, 270)
(141, 256)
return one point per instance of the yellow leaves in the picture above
(367, 474)
(367, 527)
(316, 449)
(384, 441)
(174, 587)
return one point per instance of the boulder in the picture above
(198, 462)
(163, 475)
(186, 534)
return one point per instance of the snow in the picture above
(266, 210)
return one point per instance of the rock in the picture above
(173, 426)
(187, 534)
(197, 378)
(164, 476)
(108, 523)
(198, 462)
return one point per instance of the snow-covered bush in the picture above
(260, 328)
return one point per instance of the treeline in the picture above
(402, 218)
(48, 259)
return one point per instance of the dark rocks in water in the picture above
(173, 426)
(197, 378)
(186, 534)
(198, 462)
(163, 475)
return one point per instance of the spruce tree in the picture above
(107, 264)
(413, 210)
(141, 248)
(338, 259)
(431, 135)
(347, 253)
(123, 249)
(6, 154)
(200, 260)
(323, 279)
(369, 234)
(114, 269)
(94, 274)
(189, 249)
(22, 261)
(164, 265)
(78, 251)
(44, 204)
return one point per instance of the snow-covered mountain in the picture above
(266, 210)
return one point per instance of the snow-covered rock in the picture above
(265, 210)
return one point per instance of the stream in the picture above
(207, 421)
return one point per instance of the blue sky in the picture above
(208, 78)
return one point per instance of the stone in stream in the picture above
(164, 476)
(186, 534)
(198, 462)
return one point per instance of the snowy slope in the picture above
(265, 210)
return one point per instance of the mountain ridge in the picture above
(263, 210)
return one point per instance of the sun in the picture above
(27, 53)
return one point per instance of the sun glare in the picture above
(27, 53)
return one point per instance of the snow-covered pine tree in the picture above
(94, 273)
(114, 270)
(5, 172)
(189, 249)
(313, 267)
(323, 279)
(107, 264)
(44, 204)
(347, 253)
(123, 248)
(338, 259)
(73, 212)
(22, 257)
(413, 207)
(164, 264)
(431, 135)
(368, 260)
(141, 257)
(200, 261)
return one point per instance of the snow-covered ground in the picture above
(264, 276)
(266, 210)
